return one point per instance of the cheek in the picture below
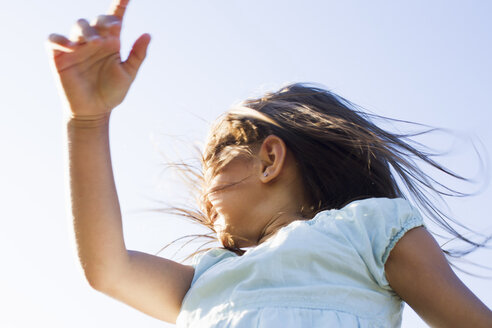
(234, 204)
(217, 200)
(225, 203)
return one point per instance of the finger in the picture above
(115, 29)
(61, 43)
(87, 31)
(118, 8)
(137, 55)
(106, 20)
(81, 30)
(78, 54)
(105, 25)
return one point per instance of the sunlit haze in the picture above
(423, 61)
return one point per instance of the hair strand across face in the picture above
(341, 154)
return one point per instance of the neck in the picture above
(277, 222)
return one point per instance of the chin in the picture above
(230, 239)
(222, 235)
(232, 242)
(227, 240)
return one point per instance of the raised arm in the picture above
(418, 271)
(94, 81)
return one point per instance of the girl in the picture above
(300, 178)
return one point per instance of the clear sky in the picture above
(424, 61)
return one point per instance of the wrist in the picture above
(88, 121)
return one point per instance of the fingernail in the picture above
(113, 23)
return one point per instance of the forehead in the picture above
(231, 157)
(236, 133)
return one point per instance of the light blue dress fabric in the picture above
(323, 272)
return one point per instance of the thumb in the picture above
(137, 55)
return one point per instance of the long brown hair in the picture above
(341, 153)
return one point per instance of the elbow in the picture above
(103, 274)
(96, 280)
(99, 279)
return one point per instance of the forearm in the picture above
(94, 200)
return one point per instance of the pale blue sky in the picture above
(425, 61)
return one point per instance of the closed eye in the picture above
(224, 186)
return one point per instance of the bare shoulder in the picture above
(419, 273)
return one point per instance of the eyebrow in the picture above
(224, 186)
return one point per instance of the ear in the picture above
(272, 155)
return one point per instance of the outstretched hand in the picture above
(91, 73)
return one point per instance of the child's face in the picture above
(254, 196)
(237, 194)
